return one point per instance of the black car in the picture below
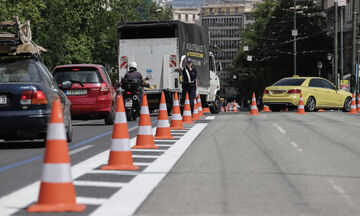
(26, 91)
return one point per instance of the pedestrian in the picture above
(189, 83)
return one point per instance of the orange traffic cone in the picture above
(176, 119)
(196, 112)
(187, 111)
(358, 104)
(234, 106)
(321, 110)
(200, 110)
(266, 109)
(254, 109)
(120, 157)
(206, 110)
(222, 109)
(145, 138)
(301, 109)
(353, 106)
(163, 128)
(57, 192)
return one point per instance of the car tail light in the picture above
(33, 97)
(104, 89)
(266, 91)
(128, 93)
(294, 91)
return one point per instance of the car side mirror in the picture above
(66, 84)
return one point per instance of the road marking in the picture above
(210, 118)
(166, 141)
(137, 190)
(80, 149)
(149, 150)
(145, 156)
(280, 129)
(114, 172)
(342, 192)
(98, 184)
(165, 145)
(90, 201)
(296, 146)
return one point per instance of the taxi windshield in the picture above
(289, 82)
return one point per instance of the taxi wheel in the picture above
(347, 104)
(310, 104)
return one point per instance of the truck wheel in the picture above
(215, 108)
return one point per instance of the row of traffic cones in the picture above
(57, 192)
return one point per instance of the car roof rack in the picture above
(16, 39)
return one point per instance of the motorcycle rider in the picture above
(132, 73)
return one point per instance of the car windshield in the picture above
(289, 82)
(83, 75)
(14, 72)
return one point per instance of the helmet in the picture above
(133, 65)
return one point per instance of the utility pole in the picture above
(294, 33)
(354, 24)
(336, 49)
(342, 42)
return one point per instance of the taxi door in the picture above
(318, 91)
(332, 98)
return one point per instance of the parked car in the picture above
(91, 93)
(26, 91)
(317, 93)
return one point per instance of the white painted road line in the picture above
(98, 184)
(166, 141)
(296, 146)
(342, 192)
(165, 145)
(210, 118)
(280, 129)
(90, 201)
(80, 149)
(146, 156)
(127, 200)
(149, 150)
(114, 172)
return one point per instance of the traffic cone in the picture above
(145, 138)
(57, 192)
(301, 109)
(234, 106)
(206, 110)
(222, 109)
(353, 106)
(163, 128)
(266, 109)
(120, 157)
(254, 109)
(176, 119)
(200, 110)
(321, 110)
(187, 111)
(196, 112)
(358, 104)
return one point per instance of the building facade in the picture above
(187, 15)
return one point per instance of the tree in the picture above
(271, 45)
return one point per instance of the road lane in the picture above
(245, 165)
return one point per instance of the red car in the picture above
(90, 91)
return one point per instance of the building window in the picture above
(179, 16)
(186, 17)
(194, 16)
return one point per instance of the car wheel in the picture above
(109, 119)
(69, 132)
(310, 104)
(215, 108)
(347, 104)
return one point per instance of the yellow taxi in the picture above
(317, 93)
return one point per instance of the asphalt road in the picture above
(273, 164)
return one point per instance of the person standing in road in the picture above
(189, 84)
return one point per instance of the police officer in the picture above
(189, 84)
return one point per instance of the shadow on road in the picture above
(21, 144)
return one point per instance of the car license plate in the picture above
(128, 102)
(3, 99)
(76, 92)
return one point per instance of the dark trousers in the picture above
(191, 90)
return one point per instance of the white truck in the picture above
(157, 47)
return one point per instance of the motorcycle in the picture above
(131, 89)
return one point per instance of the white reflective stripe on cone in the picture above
(253, 107)
(187, 102)
(144, 110)
(56, 173)
(120, 117)
(163, 124)
(145, 130)
(56, 131)
(253, 99)
(162, 107)
(120, 145)
(196, 111)
(176, 103)
(200, 108)
(176, 117)
(301, 107)
(187, 113)
(353, 107)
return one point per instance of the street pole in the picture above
(354, 24)
(336, 44)
(295, 37)
(342, 42)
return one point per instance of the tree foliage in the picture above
(271, 45)
(80, 31)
